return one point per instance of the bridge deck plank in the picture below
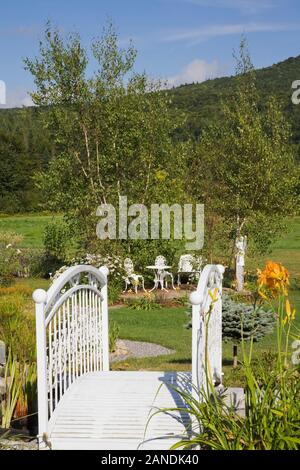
(110, 410)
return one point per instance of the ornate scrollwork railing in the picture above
(207, 328)
(72, 334)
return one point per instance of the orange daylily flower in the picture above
(274, 279)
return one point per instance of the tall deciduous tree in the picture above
(244, 166)
(112, 129)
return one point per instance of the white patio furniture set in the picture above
(188, 265)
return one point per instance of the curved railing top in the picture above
(72, 276)
(210, 277)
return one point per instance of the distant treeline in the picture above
(26, 146)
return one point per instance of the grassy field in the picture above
(31, 226)
(285, 251)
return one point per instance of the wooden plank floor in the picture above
(109, 410)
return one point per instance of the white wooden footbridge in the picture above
(84, 405)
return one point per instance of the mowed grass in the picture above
(161, 326)
(167, 327)
(30, 226)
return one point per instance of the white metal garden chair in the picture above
(189, 264)
(161, 274)
(131, 278)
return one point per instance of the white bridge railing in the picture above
(72, 334)
(207, 328)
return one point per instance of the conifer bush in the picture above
(241, 321)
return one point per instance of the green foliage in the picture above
(26, 146)
(9, 257)
(243, 168)
(114, 332)
(112, 131)
(146, 303)
(114, 292)
(13, 389)
(202, 102)
(242, 321)
(271, 421)
(17, 325)
(30, 226)
(20, 397)
(34, 263)
(57, 240)
(24, 149)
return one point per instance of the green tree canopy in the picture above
(112, 130)
(243, 168)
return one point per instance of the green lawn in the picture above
(285, 250)
(166, 327)
(31, 226)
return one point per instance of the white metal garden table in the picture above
(159, 271)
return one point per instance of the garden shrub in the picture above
(9, 257)
(114, 292)
(146, 303)
(242, 322)
(114, 331)
(57, 240)
(114, 265)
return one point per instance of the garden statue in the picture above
(240, 251)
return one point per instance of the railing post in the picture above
(105, 335)
(40, 298)
(196, 301)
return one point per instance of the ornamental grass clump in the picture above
(20, 398)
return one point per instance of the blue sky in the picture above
(181, 40)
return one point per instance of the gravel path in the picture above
(127, 349)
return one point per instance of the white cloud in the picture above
(246, 6)
(17, 98)
(196, 35)
(197, 71)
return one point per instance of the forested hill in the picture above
(201, 101)
(26, 148)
